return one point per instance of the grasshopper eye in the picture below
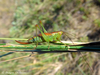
(60, 33)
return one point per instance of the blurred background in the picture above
(80, 19)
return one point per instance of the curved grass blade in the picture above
(6, 54)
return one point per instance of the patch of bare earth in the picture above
(7, 8)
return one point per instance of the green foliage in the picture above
(84, 17)
(97, 22)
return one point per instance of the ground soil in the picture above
(7, 8)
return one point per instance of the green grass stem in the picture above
(12, 39)
(13, 47)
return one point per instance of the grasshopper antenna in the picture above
(43, 27)
(69, 38)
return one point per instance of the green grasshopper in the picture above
(51, 37)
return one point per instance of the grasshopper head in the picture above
(60, 32)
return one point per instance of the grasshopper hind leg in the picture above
(48, 45)
(33, 49)
(36, 43)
